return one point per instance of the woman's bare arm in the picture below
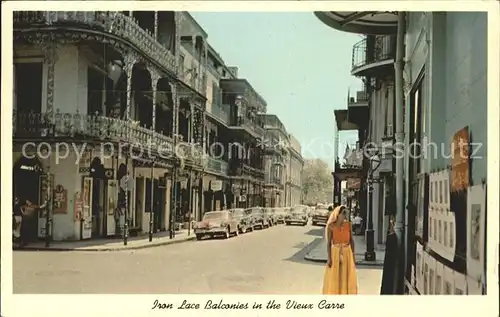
(329, 238)
(351, 240)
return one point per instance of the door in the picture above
(111, 207)
(86, 228)
(97, 202)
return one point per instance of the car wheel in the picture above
(228, 233)
(244, 229)
(287, 223)
(314, 223)
(198, 236)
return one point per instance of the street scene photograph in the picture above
(314, 153)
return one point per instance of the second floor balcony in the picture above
(218, 166)
(374, 56)
(95, 128)
(246, 105)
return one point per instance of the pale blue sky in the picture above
(299, 65)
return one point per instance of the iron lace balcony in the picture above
(373, 55)
(113, 23)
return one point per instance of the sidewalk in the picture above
(318, 253)
(114, 244)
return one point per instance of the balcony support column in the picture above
(191, 137)
(155, 77)
(129, 61)
(175, 131)
(50, 52)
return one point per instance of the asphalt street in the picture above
(270, 261)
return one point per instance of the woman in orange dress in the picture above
(340, 272)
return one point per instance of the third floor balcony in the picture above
(246, 105)
(373, 56)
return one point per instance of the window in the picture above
(430, 227)
(432, 192)
(445, 233)
(452, 229)
(438, 285)
(431, 281)
(435, 229)
(440, 232)
(447, 288)
(446, 191)
(426, 271)
(440, 192)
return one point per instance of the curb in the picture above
(144, 246)
(358, 263)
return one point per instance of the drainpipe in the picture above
(399, 136)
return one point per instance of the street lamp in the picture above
(370, 234)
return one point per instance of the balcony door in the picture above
(28, 77)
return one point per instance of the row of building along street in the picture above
(151, 120)
(420, 159)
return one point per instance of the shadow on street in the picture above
(298, 257)
(317, 231)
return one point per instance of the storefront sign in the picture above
(353, 183)
(216, 185)
(460, 174)
(60, 200)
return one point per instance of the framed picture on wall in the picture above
(476, 234)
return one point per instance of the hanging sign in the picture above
(460, 174)
(216, 185)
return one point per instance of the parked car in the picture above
(245, 221)
(280, 214)
(320, 216)
(259, 217)
(297, 214)
(216, 223)
(269, 212)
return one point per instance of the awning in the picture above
(361, 22)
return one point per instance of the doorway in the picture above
(99, 188)
(26, 183)
(159, 207)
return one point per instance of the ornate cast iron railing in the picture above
(112, 22)
(83, 126)
(384, 49)
(217, 166)
(221, 112)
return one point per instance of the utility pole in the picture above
(152, 202)
(399, 138)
